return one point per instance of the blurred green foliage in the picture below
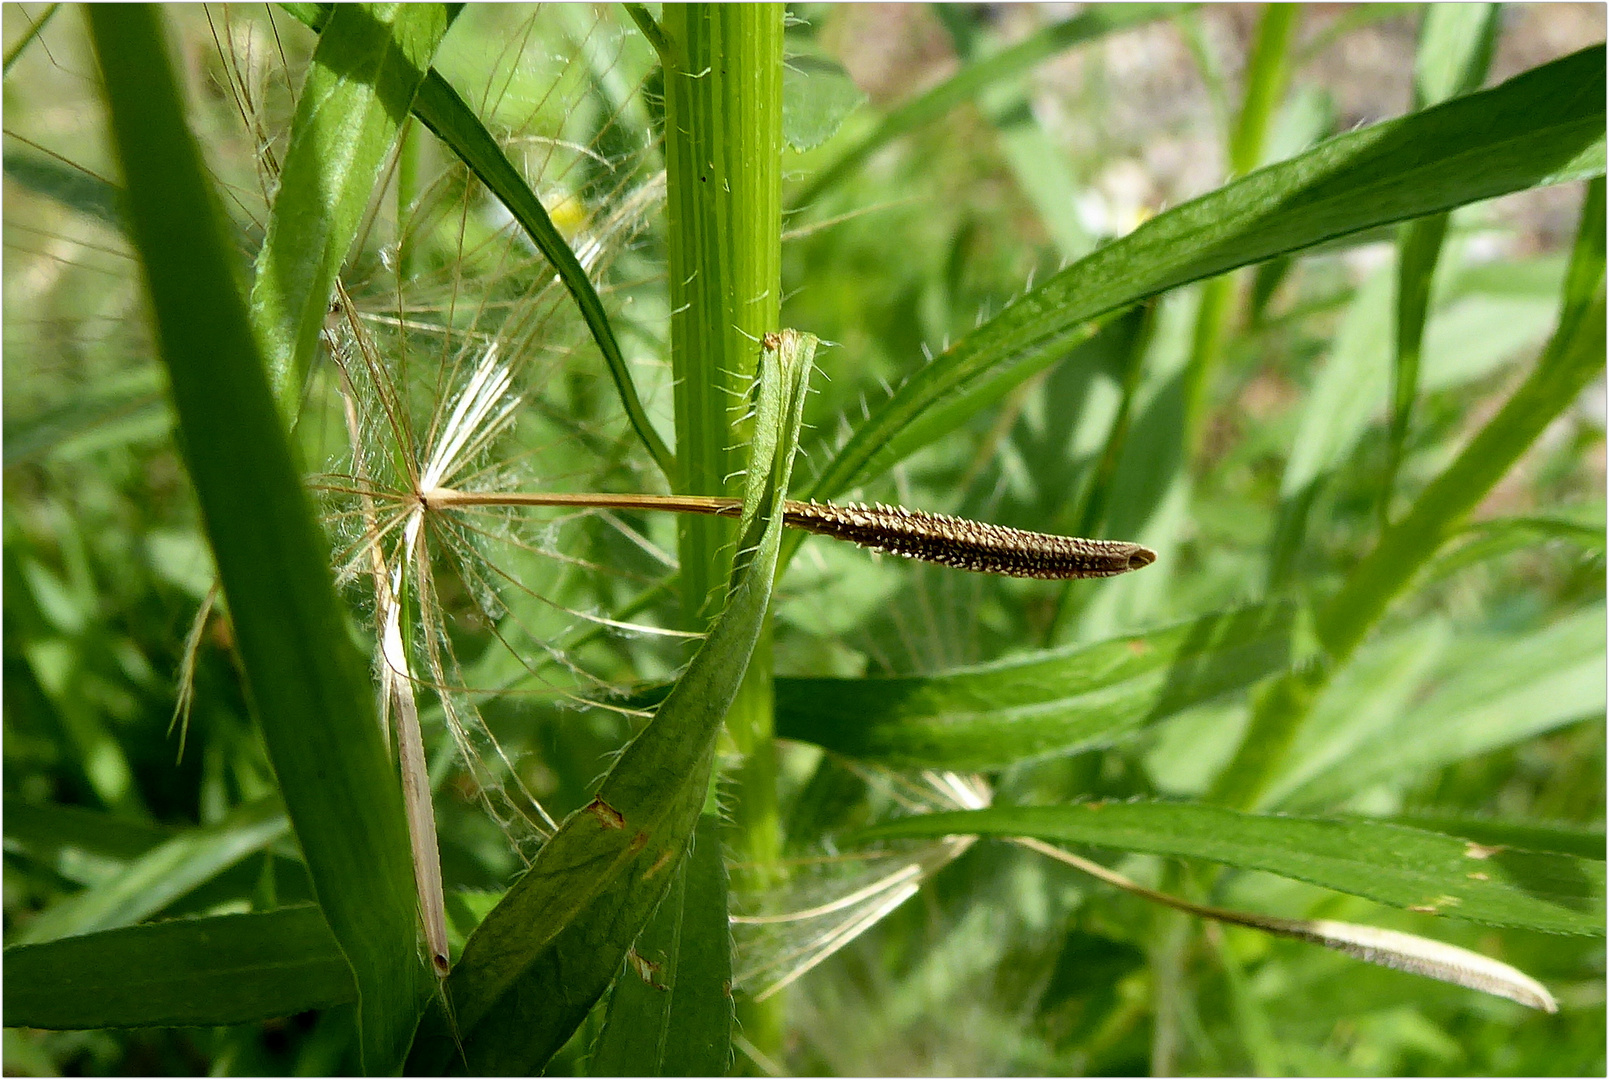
(1479, 696)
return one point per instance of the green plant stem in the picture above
(723, 161)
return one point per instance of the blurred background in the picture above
(1481, 696)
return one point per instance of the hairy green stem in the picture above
(723, 161)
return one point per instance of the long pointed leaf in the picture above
(366, 70)
(227, 969)
(1403, 867)
(440, 108)
(162, 875)
(307, 684)
(1052, 703)
(1545, 126)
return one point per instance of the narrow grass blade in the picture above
(445, 113)
(1267, 74)
(1494, 693)
(1052, 703)
(1403, 867)
(1455, 49)
(56, 835)
(158, 877)
(1573, 357)
(1337, 410)
(73, 187)
(973, 78)
(308, 686)
(366, 68)
(540, 960)
(1388, 948)
(133, 398)
(1543, 127)
(227, 969)
(1497, 537)
(670, 1013)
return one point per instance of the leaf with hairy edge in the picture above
(1051, 703)
(368, 65)
(162, 874)
(227, 969)
(540, 960)
(1545, 126)
(307, 684)
(670, 1013)
(1406, 868)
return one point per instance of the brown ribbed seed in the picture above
(965, 544)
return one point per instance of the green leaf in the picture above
(1497, 537)
(368, 65)
(66, 837)
(1346, 396)
(162, 875)
(227, 969)
(817, 93)
(445, 113)
(1455, 49)
(136, 396)
(308, 687)
(1493, 832)
(1572, 359)
(1403, 867)
(69, 185)
(1051, 703)
(1497, 692)
(1545, 126)
(974, 77)
(540, 960)
(1367, 696)
(670, 1013)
